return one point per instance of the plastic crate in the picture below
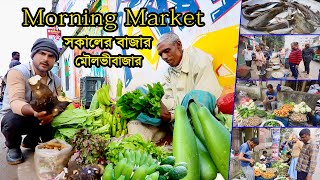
(88, 87)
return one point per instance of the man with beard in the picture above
(307, 161)
(18, 117)
(307, 56)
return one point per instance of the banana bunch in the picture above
(117, 124)
(103, 95)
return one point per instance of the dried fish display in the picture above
(283, 17)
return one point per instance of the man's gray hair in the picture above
(169, 37)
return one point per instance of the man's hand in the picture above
(309, 178)
(251, 161)
(43, 117)
(164, 113)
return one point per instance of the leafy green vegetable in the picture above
(75, 116)
(260, 113)
(68, 132)
(133, 103)
(90, 148)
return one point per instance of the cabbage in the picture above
(308, 109)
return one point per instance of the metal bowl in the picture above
(276, 67)
(277, 75)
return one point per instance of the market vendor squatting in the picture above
(109, 19)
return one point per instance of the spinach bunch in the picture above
(133, 103)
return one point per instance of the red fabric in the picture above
(295, 56)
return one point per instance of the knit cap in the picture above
(46, 45)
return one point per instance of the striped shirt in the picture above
(317, 108)
(295, 56)
(307, 160)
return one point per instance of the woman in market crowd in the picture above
(295, 58)
(316, 118)
(190, 75)
(307, 160)
(247, 53)
(296, 148)
(246, 161)
(260, 59)
(270, 99)
(19, 118)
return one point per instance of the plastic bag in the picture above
(50, 162)
(225, 103)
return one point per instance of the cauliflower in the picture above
(303, 110)
(302, 103)
(296, 109)
(308, 109)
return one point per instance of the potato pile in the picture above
(251, 121)
(298, 117)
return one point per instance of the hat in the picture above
(46, 45)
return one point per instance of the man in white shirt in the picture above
(190, 69)
(247, 53)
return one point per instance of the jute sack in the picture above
(148, 132)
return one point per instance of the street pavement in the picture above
(24, 171)
(313, 75)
